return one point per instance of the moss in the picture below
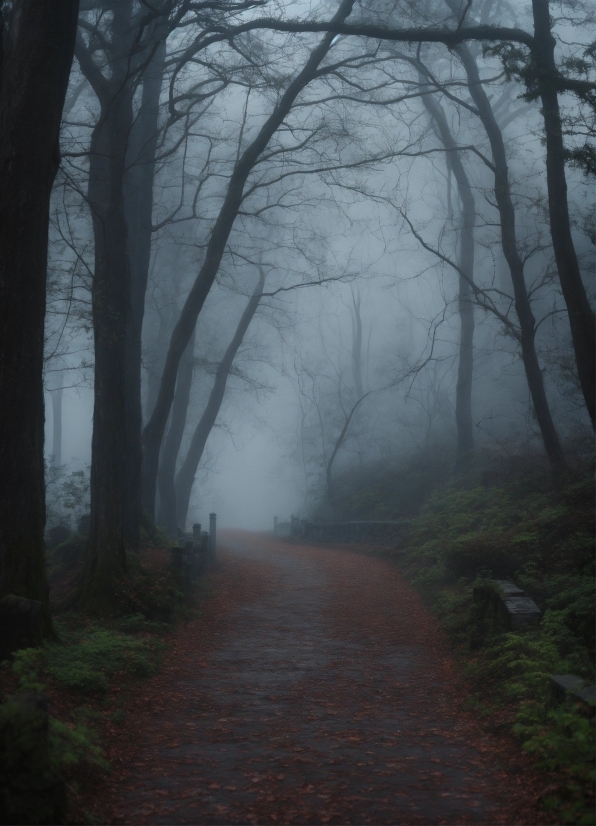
(87, 658)
(90, 657)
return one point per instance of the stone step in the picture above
(509, 589)
(572, 687)
(521, 609)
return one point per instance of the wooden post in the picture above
(199, 556)
(188, 563)
(176, 557)
(275, 525)
(212, 535)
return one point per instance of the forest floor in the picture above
(314, 688)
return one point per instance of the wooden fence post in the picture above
(212, 534)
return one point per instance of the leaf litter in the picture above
(315, 687)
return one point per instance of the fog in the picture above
(325, 270)
(354, 216)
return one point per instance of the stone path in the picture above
(316, 689)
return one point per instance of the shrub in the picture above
(74, 746)
(517, 527)
(92, 655)
(154, 594)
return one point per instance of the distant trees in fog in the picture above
(203, 143)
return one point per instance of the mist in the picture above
(297, 409)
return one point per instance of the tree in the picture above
(141, 159)
(56, 392)
(331, 384)
(111, 302)
(545, 80)
(220, 233)
(348, 416)
(463, 393)
(121, 47)
(186, 475)
(546, 83)
(35, 58)
(515, 262)
(167, 517)
(505, 206)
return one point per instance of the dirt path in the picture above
(316, 689)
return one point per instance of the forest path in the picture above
(315, 689)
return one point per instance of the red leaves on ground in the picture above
(314, 688)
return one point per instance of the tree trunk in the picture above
(357, 344)
(338, 443)
(463, 393)
(169, 454)
(36, 49)
(581, 314)
(155, 355)
(56, 395)
(154, 430)
(186, 475)
(523, 308)
(106, 552)
(139, 212)
(465, 366)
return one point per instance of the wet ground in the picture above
(316, 688)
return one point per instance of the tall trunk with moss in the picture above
(36, 48)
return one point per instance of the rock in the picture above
(501, 606)
(31, 789)
(20, 624)
(571, 687)
(521, 610)
(508, 588)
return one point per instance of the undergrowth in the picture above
(89, 659)
(543, 540)
(505, 520)
(84, 672)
